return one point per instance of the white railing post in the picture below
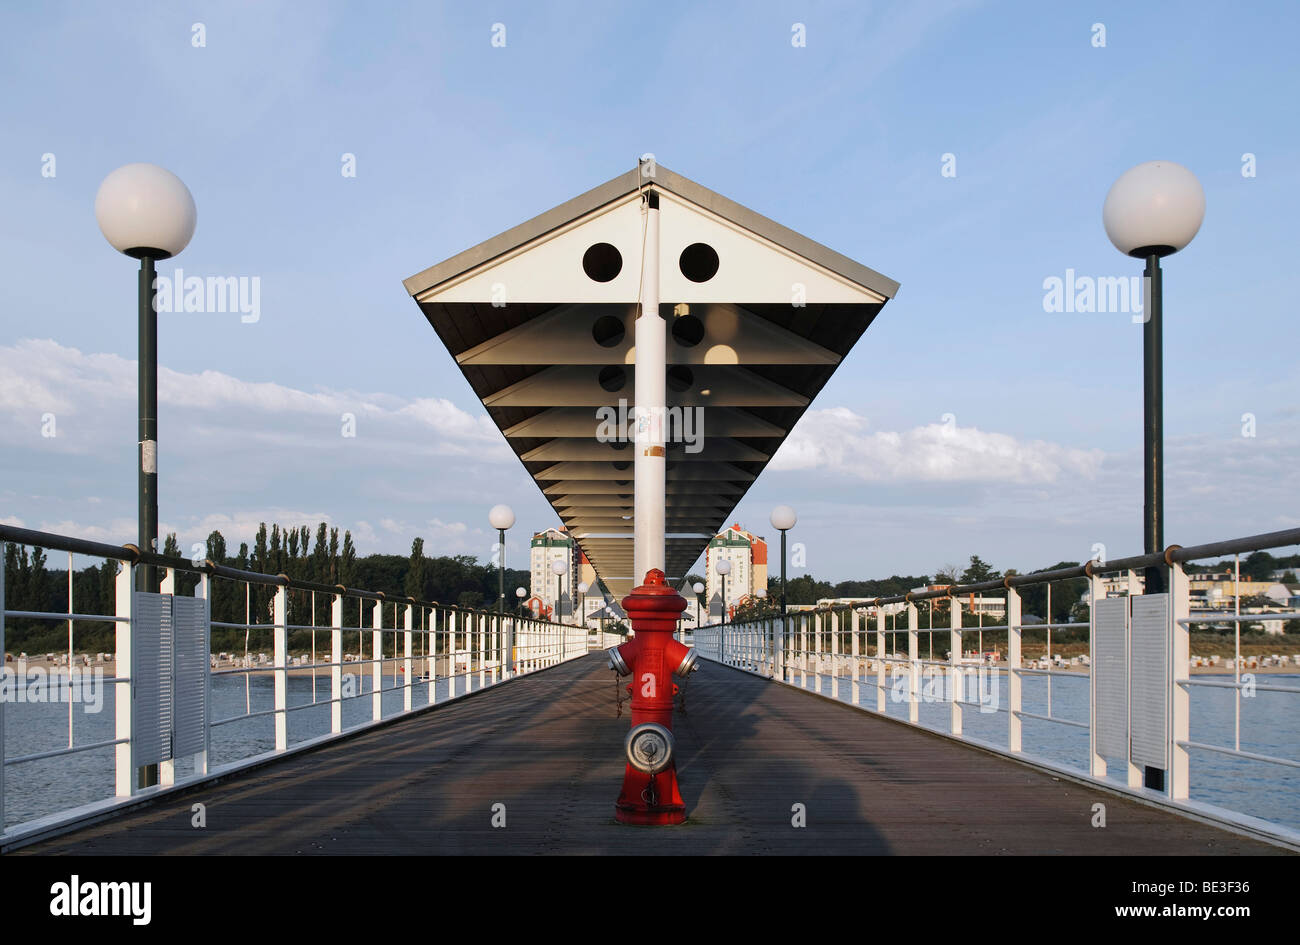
(880, 660)
(481, 623)
(124, 753)
(802, 636)
(431, 663)
(166, 768)
(16, 682)
(124, 767)
(280, 648)
(451, 652)
(778, 648)
(1096, 592)
(1135, 589)
(914, 663)
(855, 620)
(1178, 674)
(377, 661)
(204, 590)
(336, 664)
(835, 653)
(408, 666)
(1014, 722)
(817, 624)
(955, 663)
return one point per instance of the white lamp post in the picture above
(521, 594)
(1153, 210)
(147, 213)
(502, 517)
(558, 567)
(583, 586)
(723, 567)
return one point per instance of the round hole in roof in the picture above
(602, 262)
(608, 331)
(612, 378)
(688, 331)
(680, 378)
(699, 262)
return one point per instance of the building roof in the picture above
(541, 321)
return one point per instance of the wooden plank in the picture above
(548, 747)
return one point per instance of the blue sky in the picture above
(842, 140)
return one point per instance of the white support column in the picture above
(280, 635)
(955, 664)
(914, 663)
(880, 660)
(336, 664)
(167, 768)
(408, 666)
(377, 666)
(1014, 722)
(649, 461)
(1178, 674)
(124, 776)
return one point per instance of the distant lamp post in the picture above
(147, 213)
(1153, 210)
(783, 519)
(521, 594)
(723, 567)
(558, 567)
(583, 587)
(502, 517)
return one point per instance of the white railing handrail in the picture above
(839, 642)
(476, 648)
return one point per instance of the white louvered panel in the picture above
(190, 688)
(1111, 685)
(151, 649)
(1150, 641)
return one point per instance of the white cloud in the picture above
(840, 441)
(39, 376)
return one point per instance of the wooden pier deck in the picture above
(549, 748)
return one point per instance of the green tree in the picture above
(415, 571)
(348, 562)
(978, 572)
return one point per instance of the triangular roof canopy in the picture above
(541, 320)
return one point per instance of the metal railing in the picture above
(1134, 706)
(415, 654)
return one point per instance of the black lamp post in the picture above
(783, 519)
(147, 213)
(1153, 210)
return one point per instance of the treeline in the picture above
(31, 585)
(806, 589)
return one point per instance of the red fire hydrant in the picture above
(650, 795)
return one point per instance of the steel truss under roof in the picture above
(541, 321)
